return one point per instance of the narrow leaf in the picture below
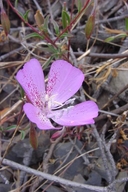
(65, 19)
(31, 35)
(78, 4)
(56, 27)
(25, 16)
(126, 23)
(22, 135)
(109, 39)
(45, 25)
(121, 35)
(10, 128)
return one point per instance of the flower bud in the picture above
(39, 19)
(5, 22)
(89, 26)
(33, 138)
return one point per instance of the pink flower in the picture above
(64, 80)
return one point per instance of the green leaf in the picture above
(64, 35)
(121, 35)
(65, 19)
(109, 39)
(16, 3)
(10, 128)
(126, 23)
(45, 25)
(25, 16)
(56, 27)
(31, 35)
(46, 64)
(79, 5)
(22, 134)
(21, 92)
(52, 49)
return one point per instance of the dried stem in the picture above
(52, 177)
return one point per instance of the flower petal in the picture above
(80, 114)
(31, 78)
(64, 80)
(36, 116)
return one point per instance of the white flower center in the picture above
(51, 104)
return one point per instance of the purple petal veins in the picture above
(31, 79)
(37, 116)
(64, 81)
